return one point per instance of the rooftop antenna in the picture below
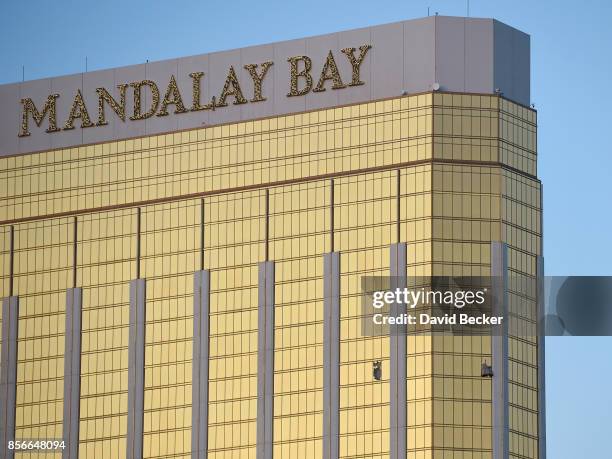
(427, 11)
(85, 64)
(23, 73)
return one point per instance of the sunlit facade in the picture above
(210, 231)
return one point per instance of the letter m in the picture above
(30, 109)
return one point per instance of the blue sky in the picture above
(571, 66)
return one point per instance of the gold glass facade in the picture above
(467, 168)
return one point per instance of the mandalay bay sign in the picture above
(163, 100)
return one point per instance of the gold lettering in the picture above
(329, 72)
(30, 108)
(356, 62)
(212, 104)
(137, 85)
(78, 110)
(295, 75)
(231, 81)
(197, 85)
(172, 97)
(117, 107)
(258, 79)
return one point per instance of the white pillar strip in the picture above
(8, 374)
(265, 361)
(72, 373)
(397, 384)
(499, 348)
(136, 369)
(541, 361)
(331, 355)
(201, 334)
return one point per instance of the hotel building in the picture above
(182, 245)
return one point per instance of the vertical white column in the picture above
(265, 361)
(201, 335)
(398, 354)
(331, 355)
(8, 374)
(72, 372)
(541, 339)
(499, 348)
(136, 352)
